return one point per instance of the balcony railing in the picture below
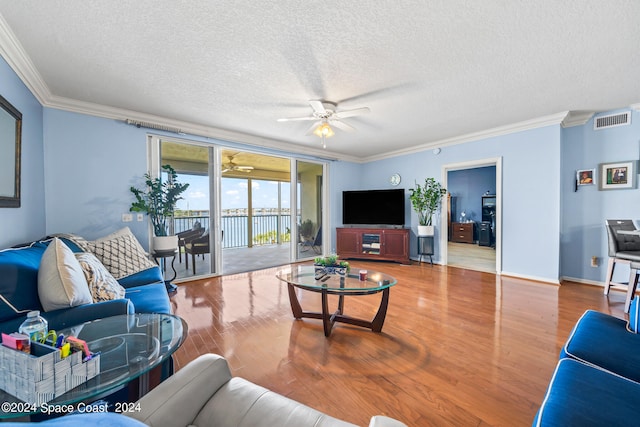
(264, 229)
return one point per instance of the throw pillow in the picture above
(61, 281)
(634, 314)
(121, 253)
(102, 285)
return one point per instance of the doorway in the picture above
(472, 215)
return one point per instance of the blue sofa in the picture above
(597, 380)
(145, 292)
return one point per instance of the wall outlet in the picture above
(140, 217)
(127, 217)
(594, 261)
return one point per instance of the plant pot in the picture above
(425, 230)
(165, 243)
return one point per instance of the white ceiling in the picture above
(432, 72)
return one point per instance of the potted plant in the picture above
(158, 200)
(331, 265)
(426, 201)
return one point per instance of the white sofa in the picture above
(203, 393)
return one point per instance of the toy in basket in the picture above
(43, 374)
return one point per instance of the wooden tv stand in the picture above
(385, 244)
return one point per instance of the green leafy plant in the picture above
(158, 199)
(331, 261)
(426, 199)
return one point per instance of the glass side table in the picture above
(163, 255)
(130, 346)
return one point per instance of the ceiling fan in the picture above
(230, 166)
(325, 115)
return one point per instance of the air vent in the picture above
(612, 120)
(148, 125)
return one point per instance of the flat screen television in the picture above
(373, 207)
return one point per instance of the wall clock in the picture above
(394, 179)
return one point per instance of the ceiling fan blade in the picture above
(342, 125)
(225, 170)
(351, 113)
(244, 168)
(318, 107)
(312, 128)
(294, 119)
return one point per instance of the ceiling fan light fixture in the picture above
(324, 130)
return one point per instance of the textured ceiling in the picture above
(430, 71)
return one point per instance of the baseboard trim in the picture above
(582, 281)
(534, 278)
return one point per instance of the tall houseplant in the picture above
(158, 200)
(425, 200)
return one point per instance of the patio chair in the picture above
(315, 244)
(185, 236)
(196, 246)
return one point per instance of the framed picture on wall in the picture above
(10, 142)
(617, 176)
(586, 177)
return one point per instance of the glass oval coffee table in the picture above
(305, 277)
(130, 347)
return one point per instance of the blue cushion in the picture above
(19, 280)
(603, 340)
(581, 395)
(151, 298)
(144, 277)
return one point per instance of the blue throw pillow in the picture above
(634, 317)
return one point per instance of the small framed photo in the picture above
(618, 176)
(586, 177)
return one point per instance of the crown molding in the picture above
(12, 51)
(188, 128)
(577, 118)
(553, 119)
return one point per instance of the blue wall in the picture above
(531, 194)
(585, 211)
(467, 187)
(90, 164)
(27, 222)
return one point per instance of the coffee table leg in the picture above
(293, 300)
(378, 321)
(326, 317)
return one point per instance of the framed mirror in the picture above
(10, 142)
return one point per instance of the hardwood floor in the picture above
(458, 348)
(471, 256)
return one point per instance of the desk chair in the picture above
(623, 249)
(633, 284)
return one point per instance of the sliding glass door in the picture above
(310, 213)
(240, 212)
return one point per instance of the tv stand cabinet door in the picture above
(348, 242)
(396, 245)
